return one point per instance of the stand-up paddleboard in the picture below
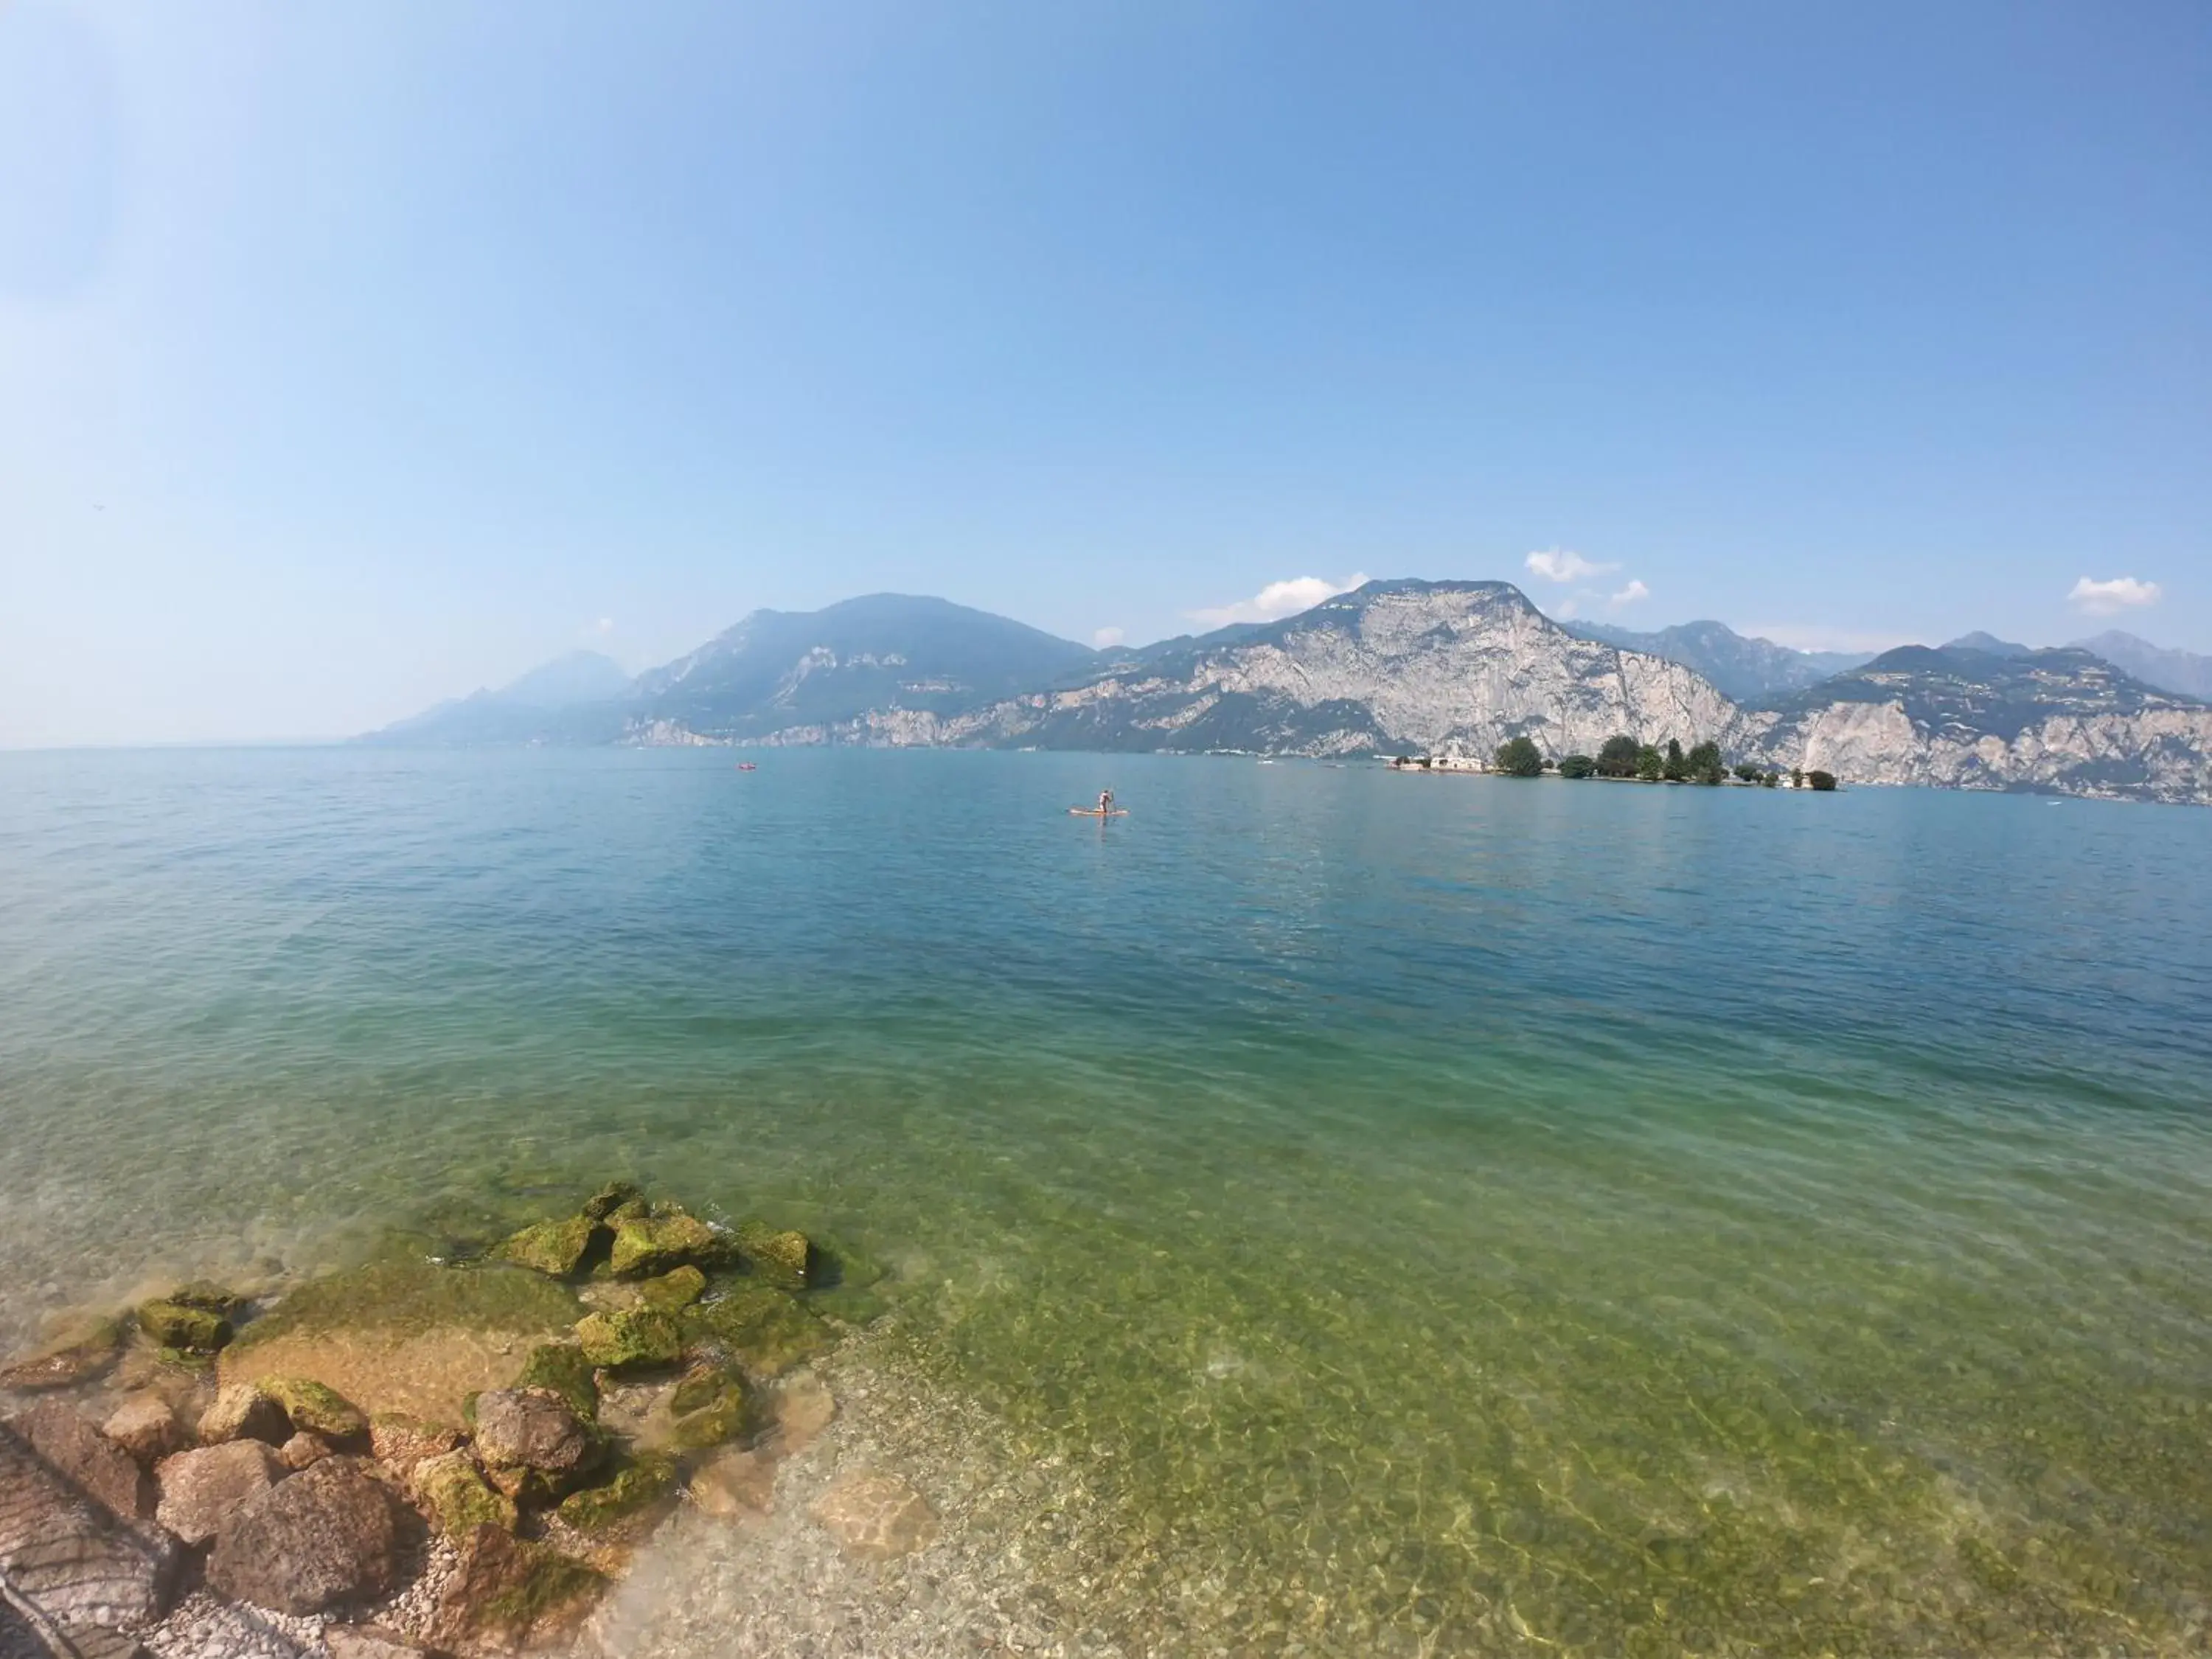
(1093, 812)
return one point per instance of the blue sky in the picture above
(356, 354)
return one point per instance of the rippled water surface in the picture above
(1432, 1214)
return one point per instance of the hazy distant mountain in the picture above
(1988, 644)
(572, 698)
(2061, 720)
(799, 677)
(2182, 671)
(1746, 669)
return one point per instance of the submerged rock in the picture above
(638, 1487)
(781, 1258)
(459, 1497)
(315, 1408)
(82, 1351)
(610, 1198)
(766, 1329)
(556, 1248)
(507, 1593)
(329, 1534)
(243, 1411)
(146, 1426)
(80, 1453)
(711, 1405)
(532, 1428)
(673, 1291)
(875, 1517)
(561, 1367)
(736, 1486)
(658, 1243)
(804, 1408)
(629, 1339)
(187, 1329)
(202, 1489)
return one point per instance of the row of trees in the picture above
(1624, 757)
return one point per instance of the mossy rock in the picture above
(187, 1329)
(840, 1266)
(210, 1296)
(410, 1297)
(781, 1258)
(508, 1594)
(653, 1244)
(563, 1368)
(766, 1329)
(459, 1497)
(673, 1291)
(610, 1198)
(556, 1248)
(630, 1339)
(645, 1481)
(711, 1406)
(313, 1408)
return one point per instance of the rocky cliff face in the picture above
(2065, 722)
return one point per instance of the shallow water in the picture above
(1427, 1214)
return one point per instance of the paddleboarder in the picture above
(1105, 803)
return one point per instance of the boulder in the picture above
(81, 1455)
(206, 1294)
(561, 1367)
(332, 1534)
(202, 1489)
(146, 1426)
(804, 1408)
(711, 1405)
(69, 1560)
(505, 1594)
(304, 1450)
(401, 1443)
(369, 1642)
(781, 1258)
(241, 1410)
(768, 1330)
(554, 1248)
(653, 1244)
(531, 1429)
(673, 1291)
(629, 1339)
(638, 1488)
(875, 1517)
(456, 1497)
(610, 1198)
(189, 1330)
(736, 1486)
(80, 1351)
(314, 1408)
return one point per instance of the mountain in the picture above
(2061, 721)
(1419, 665)
(572, 698)
(2182, 672)
(878, 665)
(1748, 670)
(1988, 644)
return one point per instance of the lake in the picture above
(1425, 1213)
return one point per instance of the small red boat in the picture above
(747, 766)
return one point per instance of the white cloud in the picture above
(1279, 599)
(2121, 593)
(1635, 594)
(605, 626)
(1107, 638)
(1559, 565)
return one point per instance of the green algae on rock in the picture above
(315, 1407)
(186, 1329)
(650, 1244)
(80, 1351)
(638, 1486)
(712, 1404)
(783, 1259)
(610, 1198)
(766, 1329)
(556, 1248)
(563, 1368)
(629, 1339)
(673, 1291)
(459, 1497)
(506, 1594)
(417, 1296)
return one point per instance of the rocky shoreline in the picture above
(424, 1456)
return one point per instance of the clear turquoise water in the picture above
(1440, 1214)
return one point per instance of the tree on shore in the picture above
(1749, 773)
(1703, 764)
(1616, 759)
(1677, 766)
(1577, 766)
(1796, 777)
(1650, 764)
(1821, 780)
(1519, 757)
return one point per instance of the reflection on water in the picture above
(1427, 1212)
